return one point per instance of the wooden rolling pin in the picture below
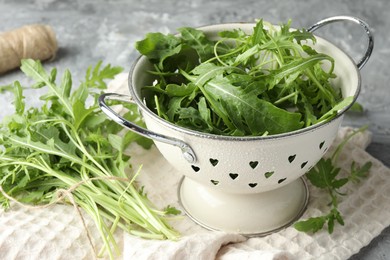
(35, 41)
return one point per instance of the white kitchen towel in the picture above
(57, 232)
(366, 211)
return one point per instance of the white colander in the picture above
(249, 185)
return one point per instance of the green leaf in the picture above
(190, 117)
(81, 113)
(174, 107)
(204, 112)
(323, 174)
(233, 34)
(80, 94)
(131, 137)
(246, 109)
(97, 78)
(172, 210)
(15, 123)
(66, 84)
(116, 142)
(241, 58)
(338, 217)
(344, 103)
(7, 88)
(336, 184)
(316, 176)
(356, 107)
(51, 137)
(35, 70)
(357, 173)
(157, 47)
(291, 69)
(303, 35)
(53, 75)
(91, 122)
(310, 225)
(182, 90)
(19, 98)
(330, 225)
(198, 41)
(259, 35)
(206, 72)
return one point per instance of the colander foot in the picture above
(255, 214)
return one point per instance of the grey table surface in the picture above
(93, 30)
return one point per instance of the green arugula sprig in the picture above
(69, 152)
(325, 175)
(263, 83)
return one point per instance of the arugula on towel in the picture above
(326, 175)
(69, 152)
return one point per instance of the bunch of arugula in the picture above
(67, 145)
(325, 175)
(263, 83)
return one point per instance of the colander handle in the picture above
(362, 23)
(187, 151)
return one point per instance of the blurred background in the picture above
(93, 30)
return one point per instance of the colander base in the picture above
(256, 214)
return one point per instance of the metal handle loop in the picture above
(362, 23)
(187, 151)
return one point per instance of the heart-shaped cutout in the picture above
(291, 158)
(213, 162)
(268, 174)
(253, 164)
(321, 144)
(214, 182)
(252, 185)
(281, 180)
(233, 175)
(195, 168)
(303, 164)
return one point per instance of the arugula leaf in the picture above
(198, 41)
(259, 36)
(311, 225)
(332, 112)
(248, 113)
(182, 90)
(294, 69)
(19, 100)
(157, 47)
(36, 71)
(357, 173)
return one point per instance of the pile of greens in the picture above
(263, 83)
(69, 152)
